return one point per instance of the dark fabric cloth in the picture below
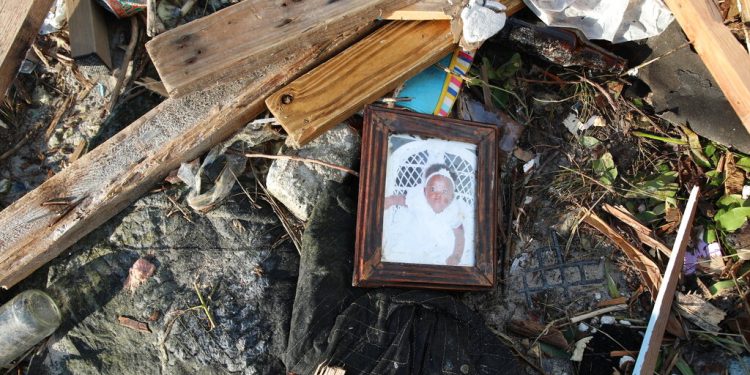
(378, 331)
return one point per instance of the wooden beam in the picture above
(363, 73)
(237, 40)
(20, 21)
(40, 226)
(723, 55)
(649, 352)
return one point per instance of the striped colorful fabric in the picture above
(460, 65)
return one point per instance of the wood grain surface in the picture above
(236, 40)
(363, 73)
(20, 21)
(113, 175)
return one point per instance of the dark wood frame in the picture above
(369, 271)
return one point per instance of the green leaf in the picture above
(709, 150)
(662, 187)
(490, 72)
(715, 179)
(730, 201)
(509, 68)
(721, 285)
(589, 142)
(605, 169)
(695, 148)
(638, 103)
(731, 219)
(612, 288)
(711, 235)
(743, 163)
(683, 367)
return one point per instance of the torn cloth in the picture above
(377, 331)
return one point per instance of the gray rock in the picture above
(234, 254)
(684, 91)
(299, 185)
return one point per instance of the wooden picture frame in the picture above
(421, 138)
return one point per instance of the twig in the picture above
(601, 89)
(57, 117)
(187, 7)
(608, 188)
(30, 133)
(634, 70)
(203, 306)
(185, 214)
(125, 62)
(573, 230)
(589, 315)
(304, 160)
(280, 214)
(519, 353)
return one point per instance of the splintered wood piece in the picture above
(363, 73)
(116, 173)
(649, 352)
(722, 54)
(644, 234)
(699, 311)
(20, 21)
(646, 267)
(242, 38)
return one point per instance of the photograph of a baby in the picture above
(429, 210)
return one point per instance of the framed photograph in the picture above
(427, 202)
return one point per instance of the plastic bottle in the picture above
(24, 321)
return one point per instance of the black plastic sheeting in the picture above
(378, 331)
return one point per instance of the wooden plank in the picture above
(364, 72)
(234, 41)
(722, 54)
(110, 177)
(649, 352)
(20, 21)
(426, 10)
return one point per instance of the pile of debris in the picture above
(179, 177)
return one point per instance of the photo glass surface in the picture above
(430, 197)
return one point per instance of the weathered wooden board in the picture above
(363, 73)
(649, 353)
(234, 41)
(109, 178)
(20, 21)
(723, 55)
